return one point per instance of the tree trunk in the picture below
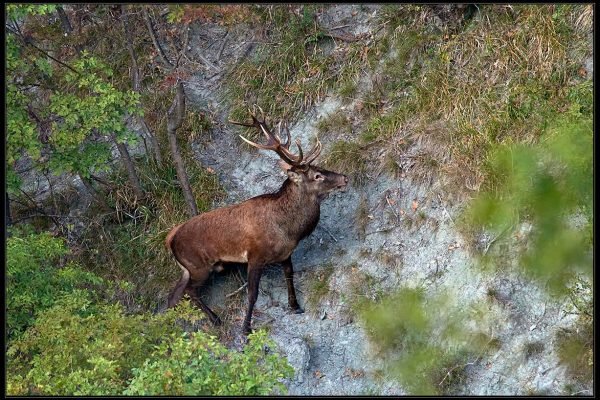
(67, 27)
(154, 38)
(128, 164)
(64, 20)
(174, 121)
(90, 188)
(135, 78)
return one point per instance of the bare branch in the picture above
(177, 110)
(222, 46)
(154, 38)
(237, 291)
(174, 120)
(29, 42)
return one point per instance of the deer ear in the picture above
(285, 166)
(294, 176)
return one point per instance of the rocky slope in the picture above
(410, 224)
(408, 239)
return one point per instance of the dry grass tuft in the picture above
(459, 91)
(348, 158)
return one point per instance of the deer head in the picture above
(313, 179)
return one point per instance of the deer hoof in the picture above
(297, 310)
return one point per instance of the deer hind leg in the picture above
(253, 281)
(177, 292)
(192, 291)
(185, 285)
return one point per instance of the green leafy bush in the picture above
(78, 347)
(197, 364)
(33, 279)
(427, 342)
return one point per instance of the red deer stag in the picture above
(260, 231)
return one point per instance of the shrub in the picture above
(427, 342)
(197, 364)
(548, 185)
(81, 348)
(33, 278)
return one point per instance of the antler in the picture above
(274, 142)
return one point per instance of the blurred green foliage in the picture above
(67, 336)
(548, 185)
(197, 364)
(426, 341)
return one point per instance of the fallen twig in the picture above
(330, 234)
(207, 62)
(222, 46)
(338, 27)
(445, 210)
(495, 238)
(456, 366)
(238, 290)
(382, 230)
(154, 38)
(344, 38)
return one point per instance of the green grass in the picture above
(337, 122)
(319, 286)
(350, 159)
(287, 75)
(363, 287)
(498, 79)
(132, 248)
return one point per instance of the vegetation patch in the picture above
(283, 77)
(134, 250)
(531, 184)
(462, 79)
(337, 122)
(576, 346)
(319, 287)
(82, 348)
(427, 343)
(348, 158)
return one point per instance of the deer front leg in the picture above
(288, 271)
(254, 273)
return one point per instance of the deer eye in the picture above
(319, 177)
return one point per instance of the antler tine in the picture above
(278, 137)
(260, 146)
(300, 153)
(314, 153)
(263, 127)
(274, 141)
(262, 113)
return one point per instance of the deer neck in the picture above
(300, 210)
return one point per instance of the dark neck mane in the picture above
(299, 210)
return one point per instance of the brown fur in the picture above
(170, 235)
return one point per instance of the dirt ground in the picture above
(409, 239)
